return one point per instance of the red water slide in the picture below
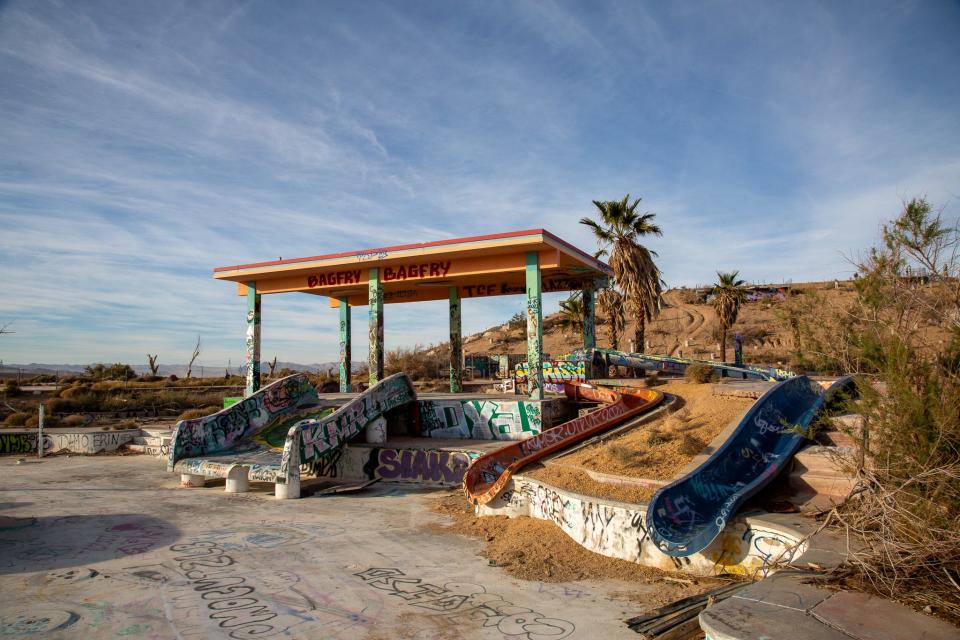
(489, 474)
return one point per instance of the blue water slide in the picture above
(686, 515)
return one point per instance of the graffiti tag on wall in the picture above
(480, 419)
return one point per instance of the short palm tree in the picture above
(619, 227)
(571, 311)
(728, 294)
(610, 302)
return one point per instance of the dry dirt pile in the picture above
(658, 450)
(532, 549)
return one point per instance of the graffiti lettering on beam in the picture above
(332, 279)
(463, 603)
(418, 465)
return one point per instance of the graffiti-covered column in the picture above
(589, 297)
(345, 350)
(375, 328)
(253, 339)
(534, 327)
(456, 342)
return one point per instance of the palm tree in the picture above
(571, 311)
(728, 294)
(610, 302)
(617, 232)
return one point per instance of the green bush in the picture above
(16, 419)
(699, 374)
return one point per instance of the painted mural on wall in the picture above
(555, 373)
(618, 530)
(480, 419)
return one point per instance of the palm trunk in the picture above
(614, 331)
(639, 333)
(723, 343)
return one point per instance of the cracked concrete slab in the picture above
(97, 547)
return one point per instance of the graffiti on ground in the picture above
(480, 419)
(464, 603)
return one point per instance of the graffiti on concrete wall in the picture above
(234, 425)
(620, 531)
(480, 419)
(462, 604)
(76, 442)
(442, 467)
(555, 373)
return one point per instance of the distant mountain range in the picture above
(35, 368)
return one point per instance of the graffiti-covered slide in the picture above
(685, 516)
(267, 436)
(489, 474)
(667, 364)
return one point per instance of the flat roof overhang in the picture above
(479, 266)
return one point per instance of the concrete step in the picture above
(820, 470)
(159, 451)
(157, 431)
(155, 441)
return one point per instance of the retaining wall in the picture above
(748, 545)
(23, 441)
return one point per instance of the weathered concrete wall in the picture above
(619, 530)
(359, 462)
(21, 441)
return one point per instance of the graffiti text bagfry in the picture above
(423, 270)
(331, 279)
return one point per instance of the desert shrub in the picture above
(107, 386)
(61, 405)
(74, 420)
(16, 419)
(655, 437)
(691, 445)
(118, 371)
(517, 321)
(903, 517)
(173, 378)
(151, 378)
(699, 374)
(48, 421)
(417, 362)
(124, 424)
(11, 388)
(70, 392)
(653, 380)
(202, 412)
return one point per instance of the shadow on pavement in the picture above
(53, 542)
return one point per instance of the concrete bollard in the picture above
(192, 480)
(238, 480)
(287, 491)
(376, 431)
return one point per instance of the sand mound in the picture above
(658, 450)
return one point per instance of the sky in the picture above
(145, 143)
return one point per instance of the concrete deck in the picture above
(98, 547)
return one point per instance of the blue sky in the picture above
(145, 143)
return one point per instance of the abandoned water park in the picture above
(595, 493)
(480, 321)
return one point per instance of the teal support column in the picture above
(534, 327)
(375, 328)
(589, 299)
(253, 339)
(345, 350)
(456, 342)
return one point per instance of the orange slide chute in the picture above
(488, 475)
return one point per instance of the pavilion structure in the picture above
(527, 262)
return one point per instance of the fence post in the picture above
(40, 432)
